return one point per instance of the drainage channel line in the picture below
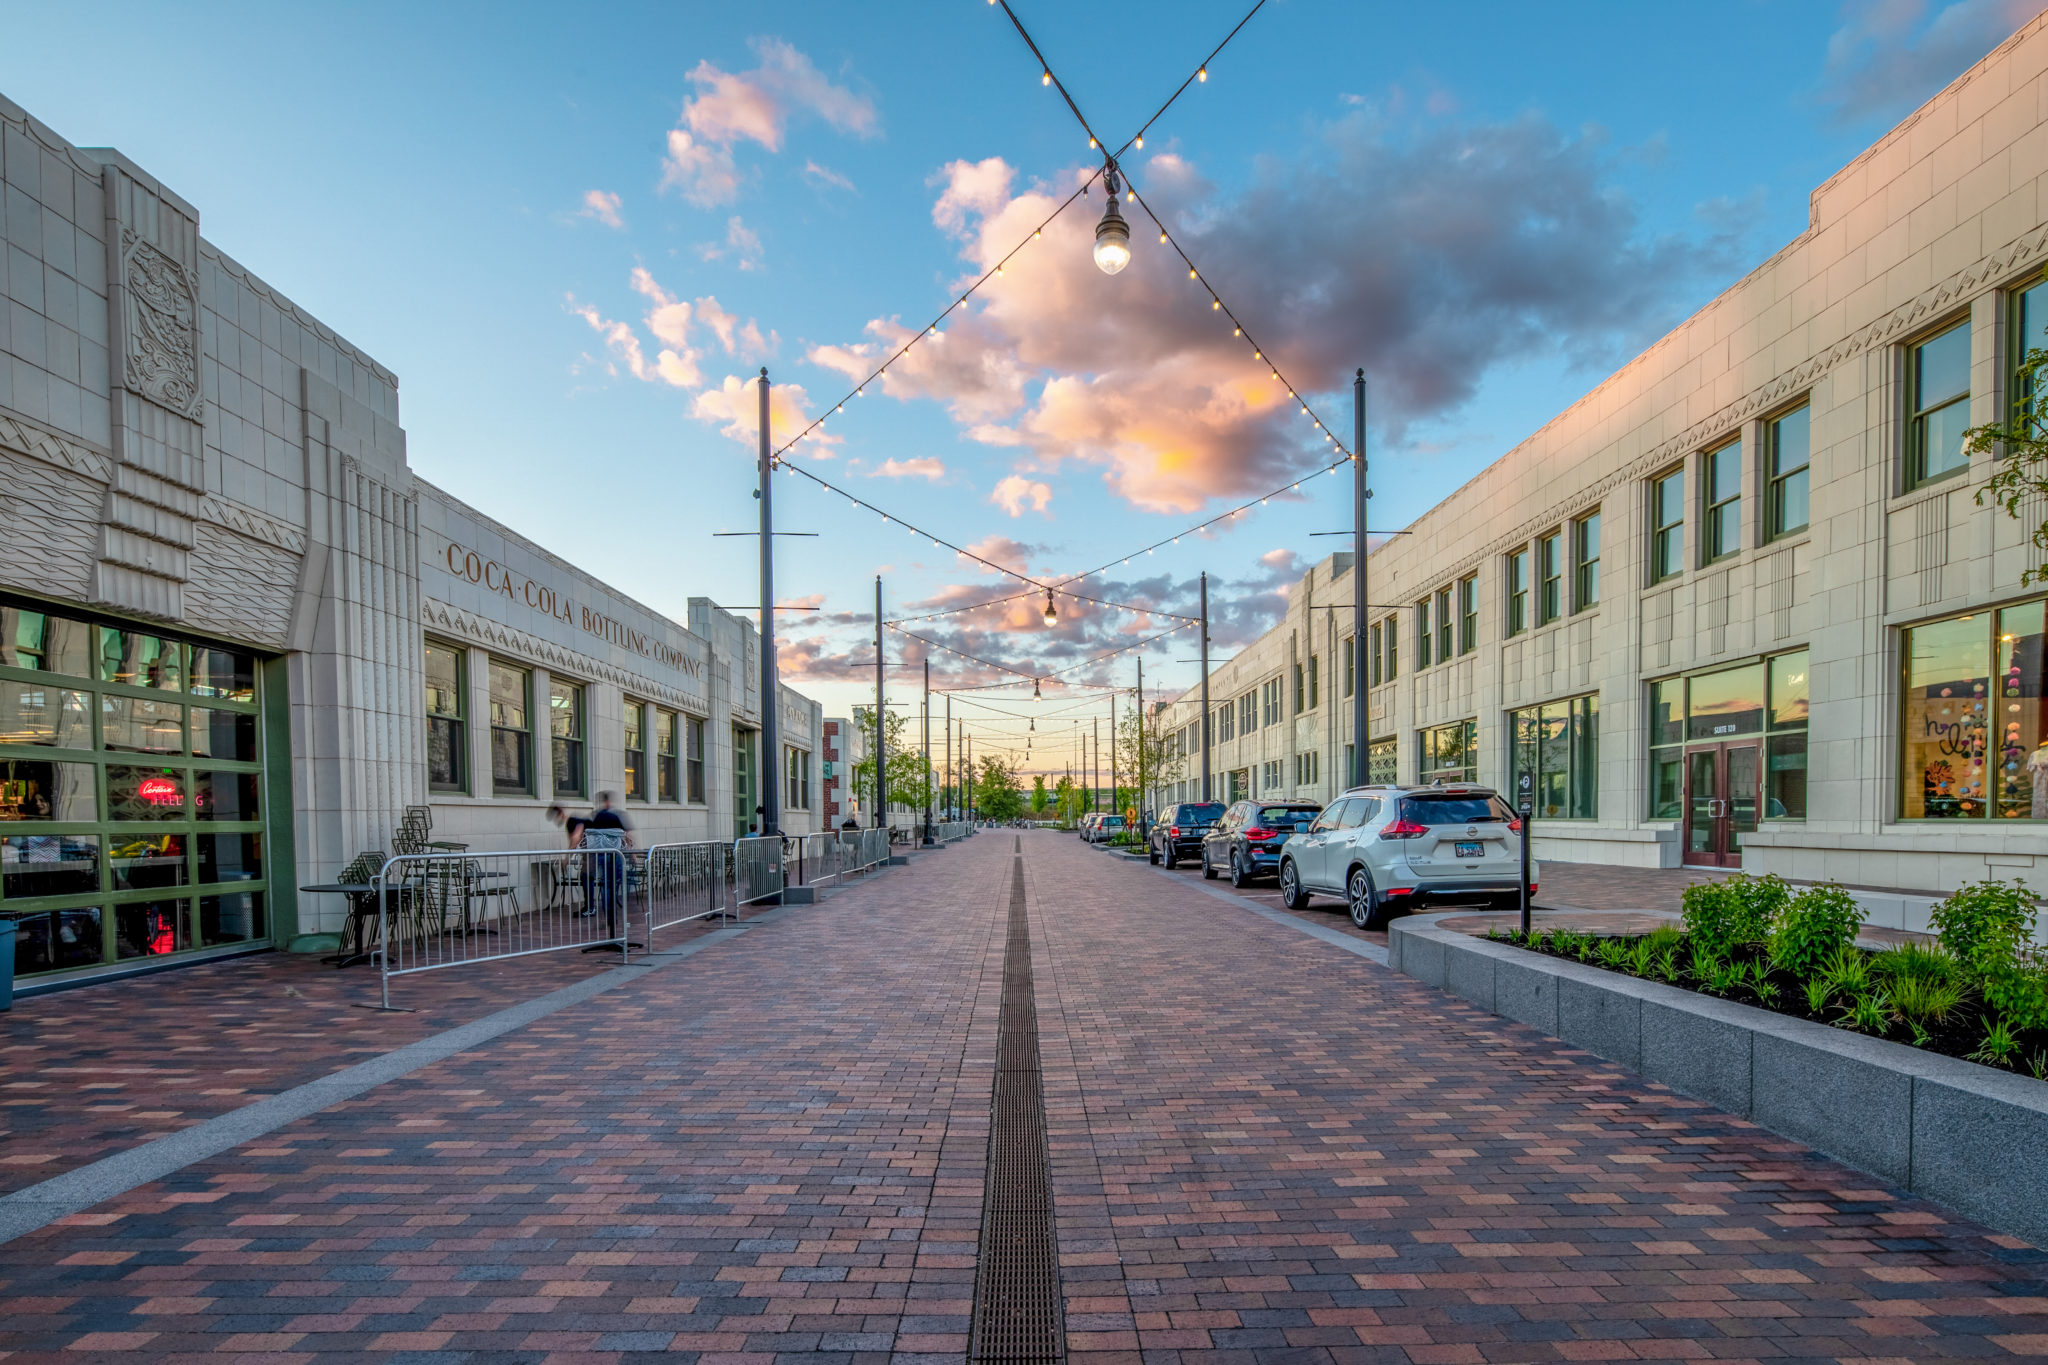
(1017, 1307)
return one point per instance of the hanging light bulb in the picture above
(1034, 722)
(1034, 689)
(1052, 613)
(1112, 234)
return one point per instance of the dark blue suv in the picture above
(1247, 840)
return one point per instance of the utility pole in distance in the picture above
(881, 730)
(1360, 493)
(769, 769)
(928, 841)
(1205, 686)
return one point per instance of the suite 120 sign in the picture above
(492, 576)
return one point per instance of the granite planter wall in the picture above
(1970, 1137)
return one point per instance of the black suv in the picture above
(1247, 839)
(1178, 831)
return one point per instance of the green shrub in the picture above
(1705, 963)
(1614, 953)
(1640, 956)
(1733, 912)
(1871, 1013)
(1812, 927)
(1926, 1000)
(2019, 992)
(1999, 1046)
(1986, 924)
(1916, 962)
(1664, 939)
(1847, 971)
(1667, 966)
(1818, 992)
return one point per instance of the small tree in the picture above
(997, 793)
(1039, 797)
(2021, 476)
(906, 771)
(1155, 763)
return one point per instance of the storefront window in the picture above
(1947, 694)
(121, 850)
(447, 766)
(1450, 752)
(797, 779)
(565, 735)
(511, 730)
(1558, 743)
(1761, 703)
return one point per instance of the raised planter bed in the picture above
(1968, 1136)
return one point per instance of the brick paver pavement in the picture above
(1263, 1149)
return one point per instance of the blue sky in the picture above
(521, 208)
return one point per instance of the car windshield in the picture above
(1116, 820)
(1298, 816)
(1210, 812)
(1457, 809)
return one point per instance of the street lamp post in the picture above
(1360, 493)
(928, 841)
(881, 729)
(770, 765)
(1205, 686)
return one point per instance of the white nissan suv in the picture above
(1390, 848)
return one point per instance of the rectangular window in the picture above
(1586, 561)
(1550, 578)
(140, 660)
(1422, 634)
(1272, 695)
(1248, 712)
(447, 734)
(1382, 762)
(1300, 689)
(1314, 681)
(1788, 444)
(565, 731)
(1393, 650)
(1350, 664)
(1226, 723)
(636, 750)
(1518, 592)
(511, 730)
(1372, 651)
(693, 758)
(1468, 613)
(1443, 626)
(1667, 525)
(667, 763)
(1754, 703)
(1450, 752)
(2029, 314)
(796, 786)
(1558, 744)
(1938, 406)
(1951, 768)
(1721, 492)
(44, 643)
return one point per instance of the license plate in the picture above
(1471, 848)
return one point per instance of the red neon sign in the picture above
(160, 791)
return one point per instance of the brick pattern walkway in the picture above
(774, 1148)
(87, 1072)
(1268, 1150)
(1263, 1150)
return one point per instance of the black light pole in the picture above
(1141, 743)
(1525, 794)
(1095, 765)
(952, 778)
(1360, 494)
(928, 840)
(881, 730)
(1205, 685)
(769, 770)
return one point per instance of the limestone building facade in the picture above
(240, 635)
(1739, 605)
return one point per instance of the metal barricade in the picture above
(683, 882)
(440, 910)
(815, 860)
(757, 868)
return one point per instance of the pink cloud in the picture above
(603, 207)
(735, 405)
(1014, 491)
(919, 467)
(752, 106)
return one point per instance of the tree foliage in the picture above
(997, 793)
(906, 772)
(1143, 768)
(2019, 480)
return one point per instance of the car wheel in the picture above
(1171, 861)
(1152, 856)
(1239, 877)
(1208, 870)
(1368, 911)
(1291, 893)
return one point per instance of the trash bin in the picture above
(6, 963)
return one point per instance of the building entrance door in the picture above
(1723, 797)
(745, 793)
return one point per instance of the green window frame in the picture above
(447, 704)
(666, 757)
(634, 743)
(1586, 561)
(132, 792)
(1450, 753)
(1788, 452)
(1468, 613)
(1372, 654)
(1444, 625)
(1721, 497)
(1558, 745)
(1518, 591)
(2027, 311)
(1937, 406)
(1667, 525)
(511, 690)
(1550, 578)
(1422, 635)
(693, 758)
(565, 737)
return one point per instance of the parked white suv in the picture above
(1390, 848)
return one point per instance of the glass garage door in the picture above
(131, 793)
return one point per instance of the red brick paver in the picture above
(1267, 1149)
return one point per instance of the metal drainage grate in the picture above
(1017, 1309)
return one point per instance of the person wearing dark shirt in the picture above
(611, 869)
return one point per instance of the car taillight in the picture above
(1173, 831)
(1403, 829)
(1256, 833)
(1514, 826)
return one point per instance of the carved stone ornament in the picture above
(163, 328)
